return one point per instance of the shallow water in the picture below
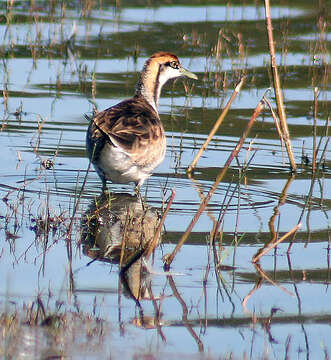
(225, 306)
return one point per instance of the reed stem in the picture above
(277, 88)
(315, 130)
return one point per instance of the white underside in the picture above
(118, 167)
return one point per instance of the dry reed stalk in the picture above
(322, 157)
(277, 88)
(170, 257)
(223, 209)
(5, 99)
(154, 242)
(312, 184)
(280, 133)
(316, 92)
(224, 206)
(257, 257)
(217, 125)
(326, 135)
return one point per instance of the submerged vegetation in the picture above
(241, 226)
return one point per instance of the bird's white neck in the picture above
(150, 83)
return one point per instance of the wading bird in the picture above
(126, 142)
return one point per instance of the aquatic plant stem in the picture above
(217, 125)
(311, 189)
(69, 230)
(277, 88)
(316, 92)
(170, 257)
(279, 131)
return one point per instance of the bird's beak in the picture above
(188, 73)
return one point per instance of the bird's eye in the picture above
(174, 64)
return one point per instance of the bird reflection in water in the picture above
(119, 228)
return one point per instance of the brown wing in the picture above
(131, 124)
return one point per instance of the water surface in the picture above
(224, 307)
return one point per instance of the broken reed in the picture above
(272, 245)
(282, 127)
(170, 257)
(152, 246)
(217, 125)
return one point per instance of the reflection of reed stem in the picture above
(263, 276)
(281, 201)
(266, 277)
(169, 258)
(277, 88)
(257, 285)
(185, 313)
(217, 125)
(157, 309)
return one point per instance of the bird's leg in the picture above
(104, 185)
(137, 189)
(138, 194)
